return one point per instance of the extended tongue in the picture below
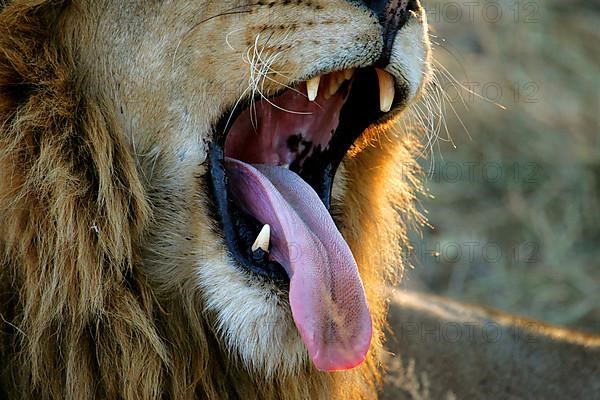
(326, 294)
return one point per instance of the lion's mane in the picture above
(78, 318)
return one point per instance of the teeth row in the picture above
(263, 239)
(335, 80)
(333, 83)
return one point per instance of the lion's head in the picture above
(197, 198)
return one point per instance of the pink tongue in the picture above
(326, 294)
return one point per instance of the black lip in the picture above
(236, 226)
(360, 111)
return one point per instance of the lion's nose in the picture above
(393, 14)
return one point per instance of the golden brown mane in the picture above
(78, 317)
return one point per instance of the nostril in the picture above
(379, 6)
(393, 14)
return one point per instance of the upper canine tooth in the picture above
(387, 90)
(263, 239)
(312, 87)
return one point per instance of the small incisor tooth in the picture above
(263, 239)
(312, 87)
(387, 90)
(334, 83)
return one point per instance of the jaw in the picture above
(263, 336)
(252, 317)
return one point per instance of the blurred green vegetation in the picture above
(515, 173)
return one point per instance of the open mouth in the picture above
(272, 168)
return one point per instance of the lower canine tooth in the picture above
(312, 87)
(263, 239)
(387, 90)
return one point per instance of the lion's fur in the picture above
(493, 355)
(80, 318)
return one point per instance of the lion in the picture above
(203, 199)
(207, 200)
(444, 349)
